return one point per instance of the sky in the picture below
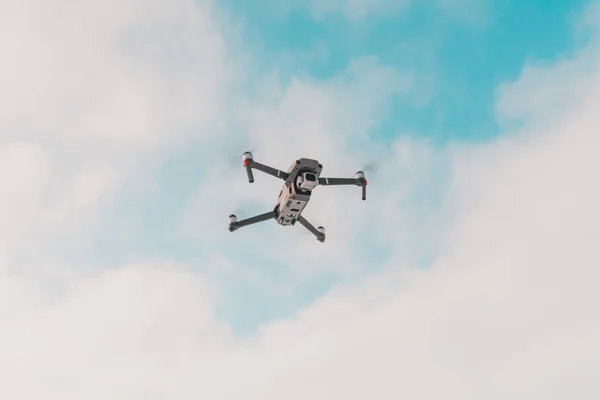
(470, 272)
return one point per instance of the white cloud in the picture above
(508, 310)
(95, 92)
(24, 171)
(104, 72)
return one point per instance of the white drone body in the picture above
(301, 178)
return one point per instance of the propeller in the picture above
(232, 150)
(234, 157)
(238, 213)
(248, 208)
(368, 169)
(371, 167)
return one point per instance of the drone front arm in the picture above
(338, 181)
(250, 164)
(359, 180)
(268, 170)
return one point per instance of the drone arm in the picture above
(319, 233)
(264, 168)
(235, 224)
(338, 181)
(250, 164)
(358, 181)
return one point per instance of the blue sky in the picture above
(460, 63)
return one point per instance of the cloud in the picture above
(507, 308)
(93, 95)
(141, 321)
(113, 84)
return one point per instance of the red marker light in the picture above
(246, 162)
(366, 182)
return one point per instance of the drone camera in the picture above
(307, 181)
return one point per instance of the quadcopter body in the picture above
(301, 178)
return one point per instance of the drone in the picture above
(301, 178)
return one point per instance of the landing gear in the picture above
(321, 237)
(231, 222)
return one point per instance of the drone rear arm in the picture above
(318, 232)
(234, 224)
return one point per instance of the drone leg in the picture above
(318, 232)
(249, 173)
(234, 224)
